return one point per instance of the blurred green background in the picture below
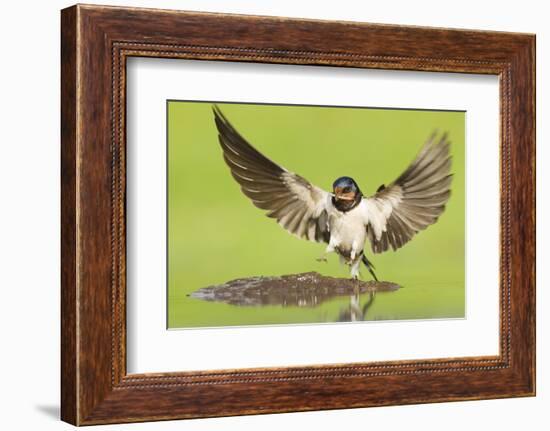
(215, 234)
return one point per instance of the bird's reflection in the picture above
(355, 312)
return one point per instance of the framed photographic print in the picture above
(279, 215)
(329, 141)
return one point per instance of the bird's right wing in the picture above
(296, 204)
(412, 202)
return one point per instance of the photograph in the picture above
(299, 214)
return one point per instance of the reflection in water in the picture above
(356, 312)
(298, 290)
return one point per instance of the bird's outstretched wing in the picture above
(412, 202)
(296, 204)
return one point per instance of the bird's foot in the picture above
(322, 259)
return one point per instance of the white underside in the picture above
(348, 232)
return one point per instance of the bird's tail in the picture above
(369, 266)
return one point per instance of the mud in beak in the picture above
(343, 196)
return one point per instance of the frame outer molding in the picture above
(95, 42)
(69, 331)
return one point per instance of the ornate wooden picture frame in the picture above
(96, 41)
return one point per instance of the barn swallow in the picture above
(345, 218)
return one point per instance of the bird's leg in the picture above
(323, 257)
(355, 260)
(355, 269)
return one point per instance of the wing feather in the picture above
(296, 204)
(412, 202)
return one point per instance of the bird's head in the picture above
(346, 193)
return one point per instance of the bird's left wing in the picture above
(412, 202)
(297, 205)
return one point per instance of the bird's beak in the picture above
(340, 195)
